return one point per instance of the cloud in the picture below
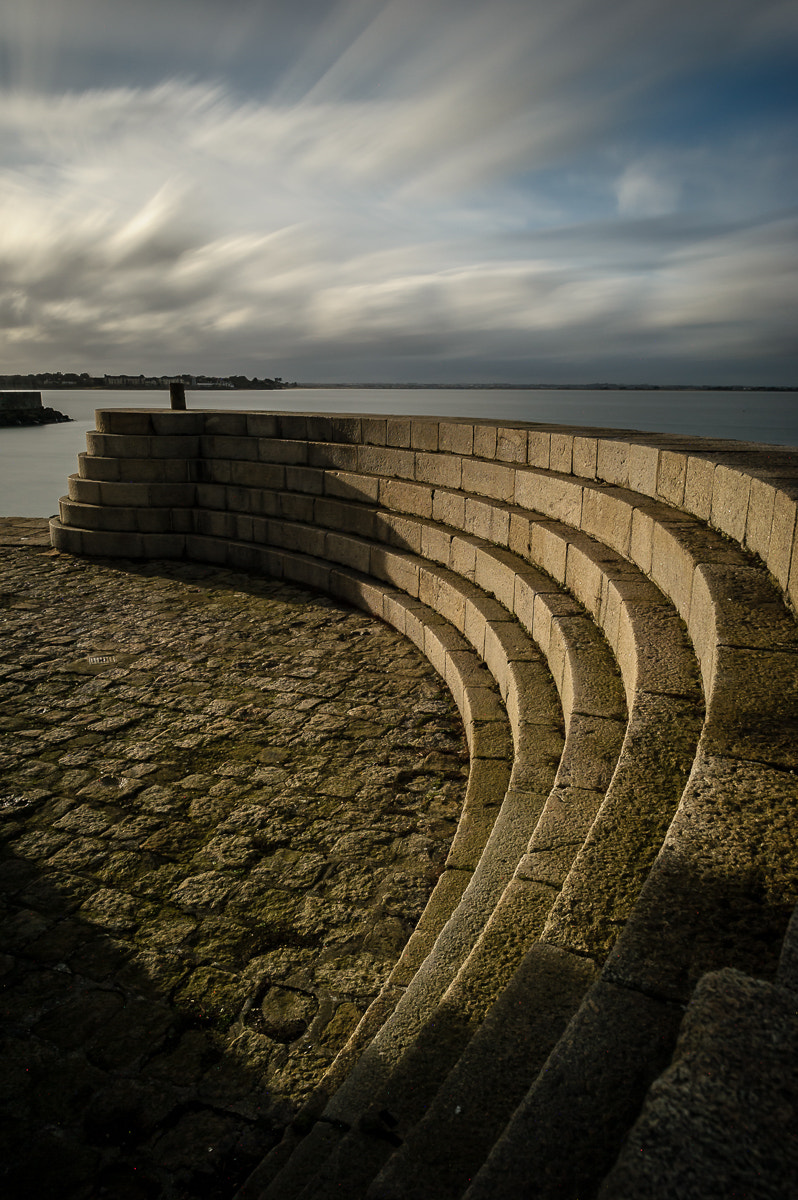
(427, 183)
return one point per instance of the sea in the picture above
(36, 461)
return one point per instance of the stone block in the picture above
(226, 424)
(280, 450)
(344, 428)
(511, 444)
(307, 539)
(531, 698)
(183, 520)
(424, 433)
(305, 479)
(612, 461)
(90, 467)
(398, 530)
(539, 448)
(436, 544)
(518, 534)
(449, 508)
(124, 421)
(548, 549)
(348, 518)
(395, 567)
(350, 551)
(253, 474)
(487, 521)
(216, 524)
(456, 437)
(672, 566)
(718, 893)
(584, 576)
(585, 457)
(651, 649)
(309, 573)
(163, 545)
(489, 479)
(350, 486)
(386, 461)
(698, 486)
(294, 506)
(643, 464)
(261, 500)
(175, 446)
(398, 432)
(151, 520)
(318, 427)
(262, 425)
(641, 539)
(485, 792)
(759, 521)
(561, 453)
(211, 495)
(442, 595)
(86, 491)
(495, 573)
(114, 545)
(241, 449)
(362, 593)
(484, 440)
(126, 494)
(105, 445)
(464, 556)
(406, 497)
(672, 477)
(553, 496)
(375, 431)
(782, 537)
(221, 470)
(293, 426)
(730, 494)
(333, 455)
(607, 516)
(168, 422)
(69, 541)
(754, 705)
(243, 557)
(442, 470)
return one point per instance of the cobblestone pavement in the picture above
(223, 804)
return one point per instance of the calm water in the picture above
(35, 463)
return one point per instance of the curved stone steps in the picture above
(650, 500)
(499, 946)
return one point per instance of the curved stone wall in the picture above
(613, 613)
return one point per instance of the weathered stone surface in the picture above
(223, 804)
(720, 1121)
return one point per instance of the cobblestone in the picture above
(223, 804)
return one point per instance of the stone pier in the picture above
(25, 408)
(605, 967)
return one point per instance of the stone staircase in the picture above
(613, 613)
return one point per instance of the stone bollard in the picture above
(177, 396)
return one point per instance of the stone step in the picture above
(678, 865)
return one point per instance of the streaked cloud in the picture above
(441, 188)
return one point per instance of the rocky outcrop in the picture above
(613, 613)
(25, 408)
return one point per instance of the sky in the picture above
(512, 191)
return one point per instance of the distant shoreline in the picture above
(554, 387)
(14, 382)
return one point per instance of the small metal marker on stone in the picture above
(177, 396)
